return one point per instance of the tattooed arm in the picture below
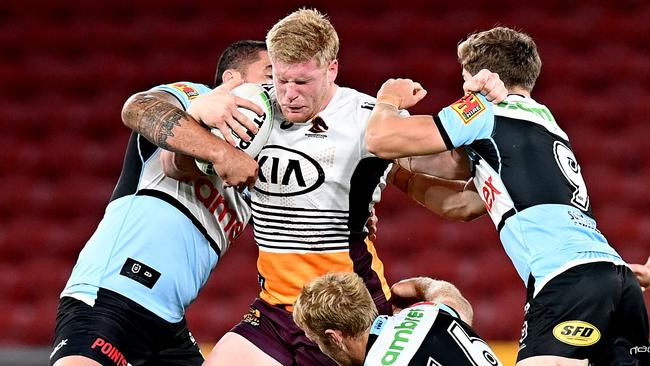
(158, 116)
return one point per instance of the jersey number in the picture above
(476, 350)
(571, 170)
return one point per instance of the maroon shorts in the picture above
(272, 330)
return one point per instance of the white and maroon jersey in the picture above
(317, 183)
(160, 238)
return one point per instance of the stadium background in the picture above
(66, 70)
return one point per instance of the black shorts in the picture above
(118, 332)
(591, 311)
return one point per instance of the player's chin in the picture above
(296, 115)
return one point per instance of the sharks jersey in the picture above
(426, 334)
(317, 183)
(160, 238)
(530, 182)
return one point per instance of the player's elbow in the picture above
(465, 206)
(448, 294)
(378, 144)
(459, 210)
(168, 166)
(131, 110)
(467, 215)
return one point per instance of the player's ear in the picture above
(335, 336)
(332, 70)
(229, 75)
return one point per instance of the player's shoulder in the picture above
(185, 91)
(353, 98)
(189, 88)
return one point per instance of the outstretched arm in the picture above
(390, 135)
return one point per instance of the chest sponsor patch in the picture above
(468, 107)
(188, 90)
(287, 172)
(576, 333)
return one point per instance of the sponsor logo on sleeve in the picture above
(576, 333)
(468, 107)
(188, 90)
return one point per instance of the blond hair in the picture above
(338, 301)
(511, 54)
(301, 36)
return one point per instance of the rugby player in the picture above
(317, 185)
(337, 312)
(583, 302)
(161, 237)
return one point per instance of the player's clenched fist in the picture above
(487, 83)
(236, 168)
(401, 93)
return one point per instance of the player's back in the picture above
(530, 182)
(160, 238)
(316, 185)
(426, 334)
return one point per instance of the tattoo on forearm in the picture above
(156, 119)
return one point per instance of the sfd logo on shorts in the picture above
(468, 107)
(576, 333)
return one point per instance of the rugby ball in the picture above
(258, 95)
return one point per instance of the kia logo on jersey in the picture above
(287, 172)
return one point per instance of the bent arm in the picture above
(413, 290)
(390, 135)
(159, 117)
(179, 166)
(438, 182)
(447, 198)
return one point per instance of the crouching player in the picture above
(337, 312)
